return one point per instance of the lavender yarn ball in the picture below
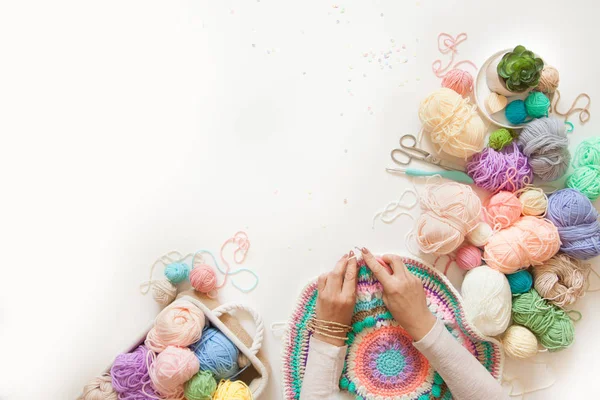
(130, 377)
(576, 219)
(507, 169)
(544, 141)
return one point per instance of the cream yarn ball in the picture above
(488, 300)
(99, 388)
(480, 235)
(534, 201)
(163, 292)
(519, 342)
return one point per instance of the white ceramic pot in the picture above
(495, 82)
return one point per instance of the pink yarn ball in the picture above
(458, 80)
(468, 257)
(203, 278)
(171, 369)
(179, 324)
(504, 209)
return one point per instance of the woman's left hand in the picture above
(337, 295)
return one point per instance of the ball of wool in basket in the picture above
(452, 123)
(529, 241)
(500, 138)
(163, 292)
(172, 368)
(544, 141)
(587, 180)
(550, 324)
(450, 211)
(549, 80)
(561, 280)
(468, 257)
(520, 281)
(504, 209)
(480, 235)
(577, 221)
(216, 354)
(177, 272)
(99, 388)
(516, 112)
(179, 324)
(130, 377)
(507, 169)
(487, 299)
(202, 386)
(458, 80)
(203, 278)
(537, 105)
(228, 390)
(519, 342)
(534, 201)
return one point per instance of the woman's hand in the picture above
(403, 294)
(337, 295)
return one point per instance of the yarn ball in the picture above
(520, 281)
(561, 280)
(468, 257)
(487, 300)
(177, 272)
(544, 141)
(452, 123)
(507, 169)
(500, 138)
(519, 342)
(458, 80)
(587, 180)
(549, 80)
(587, 153)
(450, 211)
(179, 324)
(99, 388)
(171, 369)
(203, 278)
(163, 292)
(550, 324)
(216, 353)
(130, 377)
(228, 390)
(516, 112)
(534, 202)
(529, 241)
(200, 387)
(537, 105)
(577, 221)
(480, 235)
(504, 209)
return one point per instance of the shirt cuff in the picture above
(327, 349)
(431, 337)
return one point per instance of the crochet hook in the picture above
(457, 176)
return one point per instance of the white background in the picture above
(131, 128)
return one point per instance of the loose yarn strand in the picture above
(584, 112)
(239, 256)
(394, 205)
(448, 44)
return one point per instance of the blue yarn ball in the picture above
(520, 282)
(516, 112)
(216, 354)
(177, 272)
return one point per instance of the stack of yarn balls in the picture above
(536, 105)
(586, 164)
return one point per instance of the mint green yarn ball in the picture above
(587, 153)
(537, 105)
(586, 179)
(201, 387)
(520, 282)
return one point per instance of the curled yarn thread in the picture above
(529, 241)
(487, 299)
(586, 161)
(99, 388)
(545, 143)
(534, 201)
(537, 105)
(228, 390)
(520, 282)
(452, 123)
(516, 112)
(480, 235)
(584, 112)
(507, 169)
(577, 221)
(468, 257)
(171, 369)
(500, 138)
(503, 209)
(130, 377)
(200, 387)
(519, 342)
(179, 324)
(217, 354)
(450, 211)
(549, 80)
(550, 324)
(240, 239)
(561, 280)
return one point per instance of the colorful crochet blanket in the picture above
(381, 362)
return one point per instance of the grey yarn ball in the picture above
(544, 141)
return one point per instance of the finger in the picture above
(349, 286)
(336, 278)
(378, 270)
(321, 282)
(397, 264)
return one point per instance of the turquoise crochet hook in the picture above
(457, 176)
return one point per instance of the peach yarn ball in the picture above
(179, 324)
(171, 369)
(504, 209)
(458, 80)
(203, 278)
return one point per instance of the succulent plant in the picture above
(520, 69)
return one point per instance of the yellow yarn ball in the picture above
(519, 342)
(534, 201)
(453, 123)
(228, 390)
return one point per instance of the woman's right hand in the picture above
(403, 294)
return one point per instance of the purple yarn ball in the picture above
(577, 222)
(492, 169)
(130, 377)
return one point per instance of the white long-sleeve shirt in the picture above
(466, 378)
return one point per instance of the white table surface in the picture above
(130, 128)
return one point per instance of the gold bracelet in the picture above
(327, 328)
(320, 321)
(331, 336)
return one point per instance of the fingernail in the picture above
(364, 250)
(351, 253)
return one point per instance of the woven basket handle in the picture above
(260, 328)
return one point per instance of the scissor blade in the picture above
(450, 166)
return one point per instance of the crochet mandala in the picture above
(381, 362)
